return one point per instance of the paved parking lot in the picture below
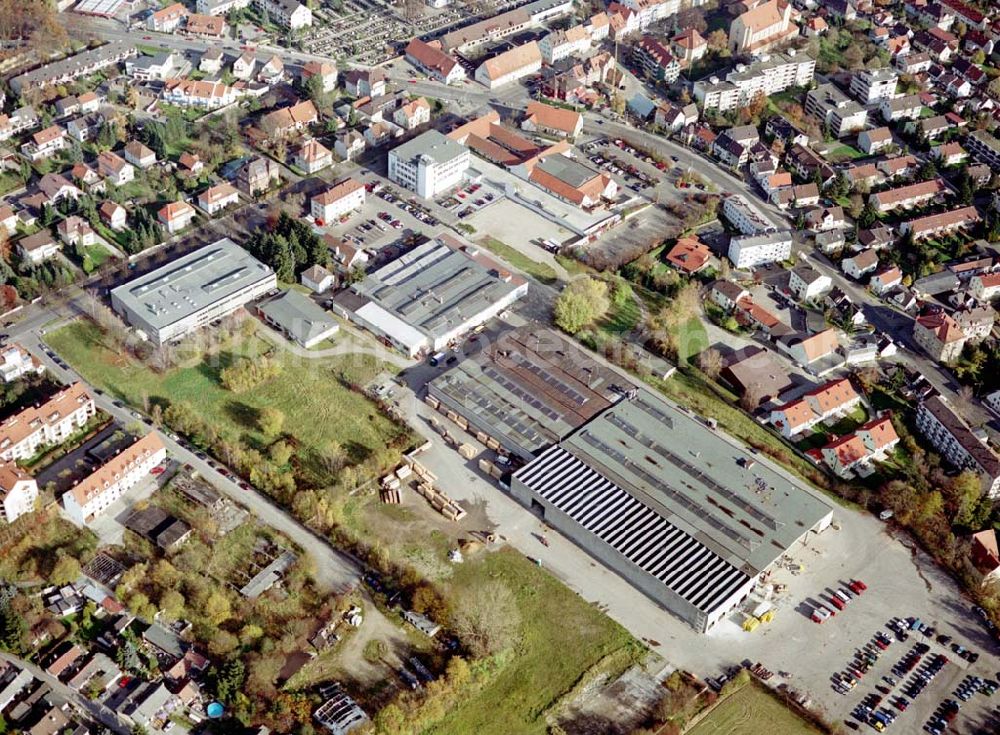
(519, 227)
(380, 224)
(468, 199)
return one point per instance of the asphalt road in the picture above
(334, 570)
(94, 710)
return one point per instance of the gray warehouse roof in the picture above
(433, 144)
(566, 169)
(530, 388)
(192, 282)
(674, 498)
(437, 286)
(299, 316)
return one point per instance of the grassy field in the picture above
(751, 711)
(318, 408)
(563, 637)
(540, 271)
(621, 319)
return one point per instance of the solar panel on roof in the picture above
(569, 391)
(634, 530)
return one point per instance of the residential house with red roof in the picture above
(175, 216)
(689, 255)
(939, 336)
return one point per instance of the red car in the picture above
(156, 471)
(836, 602)
(857, 586)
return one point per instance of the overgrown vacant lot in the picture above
(318, 407)
(751, 711)
(562, 639)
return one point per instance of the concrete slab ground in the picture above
(902, 581)
(519, 227)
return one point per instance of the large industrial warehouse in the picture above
(528, 389)
(425, 299)
(192, 291)
(684, 515)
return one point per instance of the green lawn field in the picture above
(751, 711)
(563, 637)
(318, 408)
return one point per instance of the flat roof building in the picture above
(660, 498)
(528, 389)
(430, 296)
(186, 294)
(429, 164)
(299, 318)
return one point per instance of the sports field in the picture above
(751, 711)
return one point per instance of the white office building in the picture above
(192, 291)
(429, 165)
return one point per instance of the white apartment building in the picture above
(16, 362)
(220, 7)
(841, 115)
(18, 492)
(347, 196)
(871, 86)
(907, 107)
(203, 94)
(952, 437)
(92, 496)
(559, 45)
(429, 165)
(289, 13)
(770, 75)
(744, 216)
(750, 251)
(985, 286)
(166, 20)
(23, 434)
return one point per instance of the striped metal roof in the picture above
(633, 529)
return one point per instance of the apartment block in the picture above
(93, 495)
(744, 216)
(24, 433)
(838, 112)
(750, 251)
(954, 440)
(768, 76)
(871, 86)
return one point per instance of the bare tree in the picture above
(710, 362)
(752, 396)
(487, 619)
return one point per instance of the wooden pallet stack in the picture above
(441, 502)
